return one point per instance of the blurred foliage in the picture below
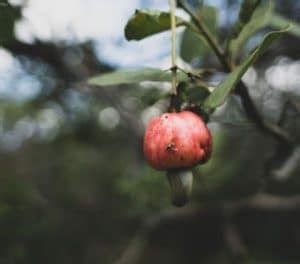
(8, 15)
(75, 187)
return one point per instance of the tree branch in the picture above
(274, 130)
(234, 241)
(134, 251)
(207, 35)
(53, 55)
(266, 202)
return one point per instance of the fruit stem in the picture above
(180, 181)
(173, 47)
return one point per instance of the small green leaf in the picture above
(135, 76)
(278, 21)
(193, 44)
(259, 19)
(145, 23)
(246, 11)
(219, 94)
(197, 93)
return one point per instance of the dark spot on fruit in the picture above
(166, 117)
(171, 148)
(181, 158)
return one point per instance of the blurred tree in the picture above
(74, 184)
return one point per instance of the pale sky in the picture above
(102, 21)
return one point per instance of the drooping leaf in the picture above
(246, 11)
(259, 19)
(278, 21)
(135, 76)
(145, 23)
(193, 44)
(219, 94)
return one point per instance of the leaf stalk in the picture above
(173, 47)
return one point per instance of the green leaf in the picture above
(197, 93)
(193, 44)
(135, 76)
(219, 94)
(246, 11)
(145, 23)
(278, 21)
(259, 19)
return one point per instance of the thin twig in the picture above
(233, 238)
(274, 130)
(173, 51)
(132, 254)
(295, 104)
(208, 36)
(194, 77)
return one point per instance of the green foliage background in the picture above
(81, 193)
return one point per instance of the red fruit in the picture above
(177, 140)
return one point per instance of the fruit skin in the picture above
(177, 140)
